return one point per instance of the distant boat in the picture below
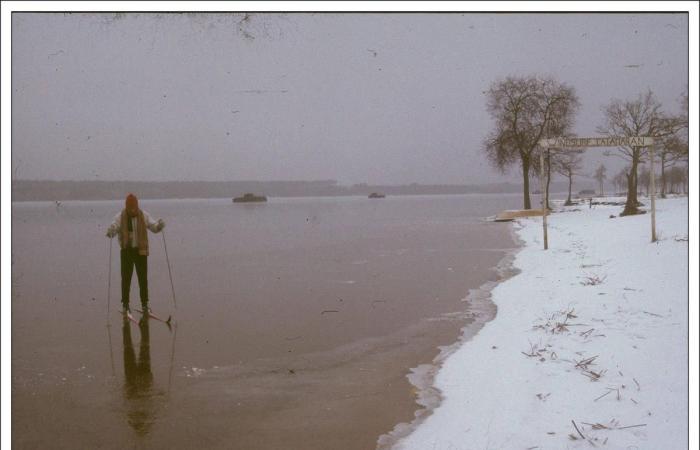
(249, 198)
(376, 195)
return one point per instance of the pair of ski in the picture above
(150, 316)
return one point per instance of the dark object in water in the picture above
(250, 198)
(376, 195)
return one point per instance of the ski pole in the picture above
(172, 359)
(111, 353)
(109, 279)
(169, 272)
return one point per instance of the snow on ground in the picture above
(593, 331)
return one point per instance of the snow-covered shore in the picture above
(589, 345)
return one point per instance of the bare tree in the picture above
(601, 177)
(640, 117)
(525, 110)
(678, 177)
(567, 162)
(672, 150)
(645, 178)
(620, 180)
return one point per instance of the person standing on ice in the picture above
(131, 225)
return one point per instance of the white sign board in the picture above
(568, 142)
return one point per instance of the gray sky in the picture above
(377, 98)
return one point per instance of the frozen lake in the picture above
(296, 322)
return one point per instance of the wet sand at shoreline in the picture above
(302, 340)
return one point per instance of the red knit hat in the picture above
(131, 201)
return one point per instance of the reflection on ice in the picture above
(138, 379)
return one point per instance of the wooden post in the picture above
(604, 141)
(653, 193)
(544, 199)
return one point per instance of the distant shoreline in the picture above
(48, 190)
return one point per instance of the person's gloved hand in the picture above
(160, 224)
(111, 233)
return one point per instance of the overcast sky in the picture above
(377, 98)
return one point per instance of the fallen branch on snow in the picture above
(534, 351)
(632, 426)
(609, 391)
(593, 376)
(593, 280)
(583, 364)
(600, 426)
(637, 383)
(579, 431)
(586, 333)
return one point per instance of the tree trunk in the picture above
(631, 203)
(526, 182)
(568, 199)
(549, 177)
(663, 175)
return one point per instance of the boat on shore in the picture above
(250, 198)
(376, 195)
(511, 214)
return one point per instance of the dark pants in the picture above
(130, 257)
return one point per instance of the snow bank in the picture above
(593, 331)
